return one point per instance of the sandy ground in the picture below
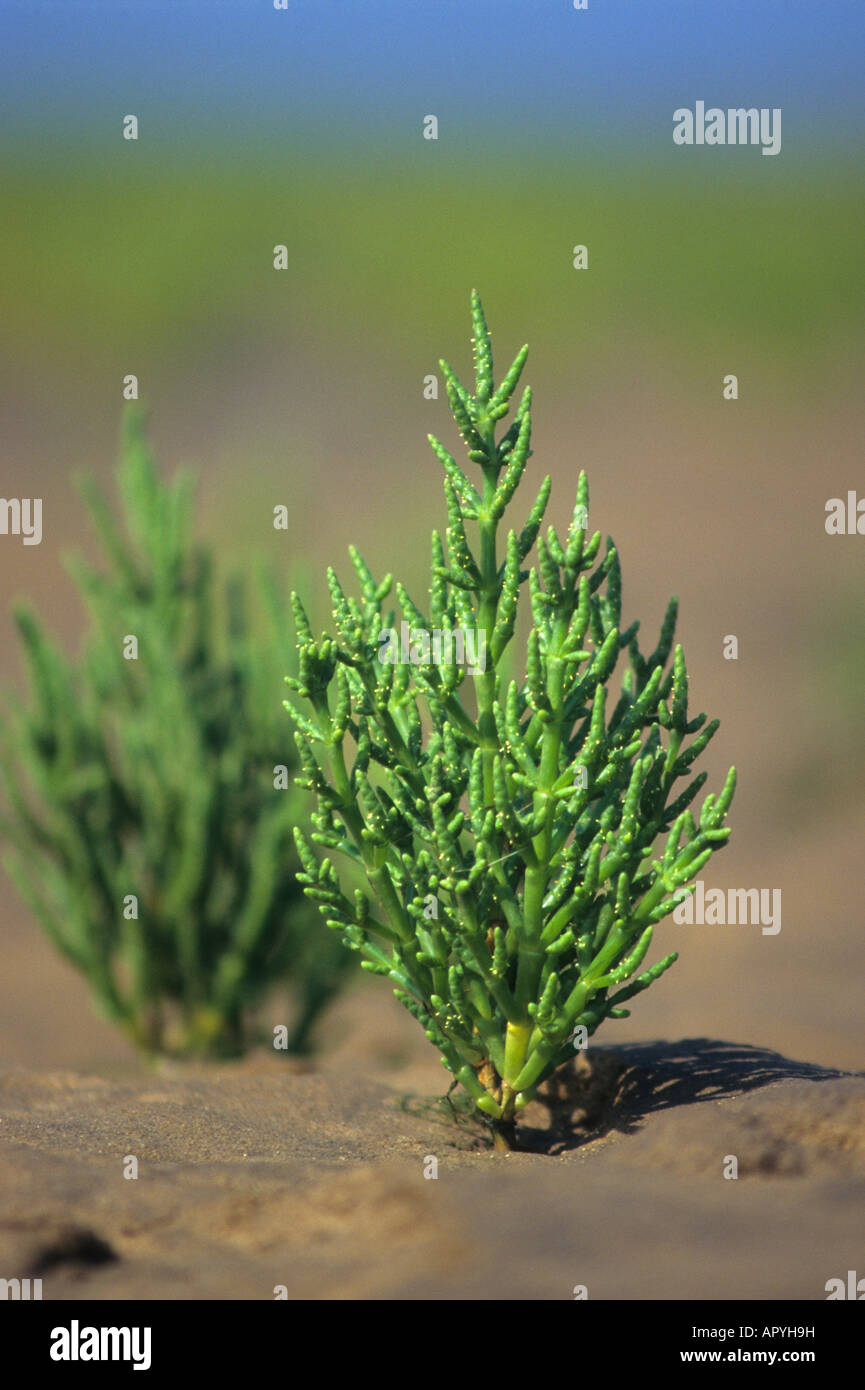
(261, 1176)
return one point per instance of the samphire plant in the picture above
(149, 824)
(511, 840)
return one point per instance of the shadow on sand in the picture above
(615, 1088)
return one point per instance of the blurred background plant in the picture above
(147, 806)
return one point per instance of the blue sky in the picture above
(362, 72)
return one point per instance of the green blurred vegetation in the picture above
(141, 814)
(121, 250)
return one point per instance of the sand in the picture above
(264, 1177)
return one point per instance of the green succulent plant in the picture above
(148, 823)
(508, 829)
